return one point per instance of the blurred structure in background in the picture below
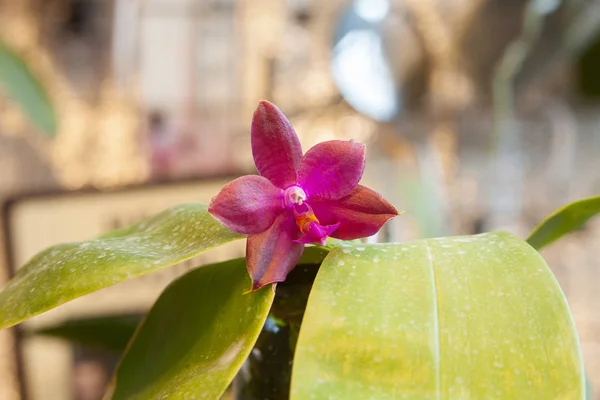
(479, 115)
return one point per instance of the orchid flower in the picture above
(296, 199)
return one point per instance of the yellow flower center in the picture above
(304, 215)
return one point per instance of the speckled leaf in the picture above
(19, 83)
(477, 317)
(67, 271)
(196, 337)
(563, 221)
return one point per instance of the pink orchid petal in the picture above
(360, 214)
(271, 255)
(318, 233)
(247, 205)
(275, 145)
(330, 170)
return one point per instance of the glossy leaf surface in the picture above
(196, 336)
(19, 83)
(67, 271)
(563, 221)
(114, 332)
(476, 317)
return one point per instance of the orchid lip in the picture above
(304, 216)
(294, 195)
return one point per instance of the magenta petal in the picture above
(275, 145)
(360, 214)
(247, 205)
(330, 170)
(318, 233)
(271, 255)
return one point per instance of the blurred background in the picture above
(478, 115)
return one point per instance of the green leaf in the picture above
(196, 337)
(110, 333)
(67, 271)
(20, 84)
(113, 332)
(563, 221)
(313, 255)
(478, 317)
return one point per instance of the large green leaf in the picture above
(20, 84)
(67, 271)
(196, 336)
(114, 332)
(563, 221)
(107, 333)
(476, 317)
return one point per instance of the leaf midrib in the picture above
(436, 322)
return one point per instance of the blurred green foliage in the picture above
(21, 85)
